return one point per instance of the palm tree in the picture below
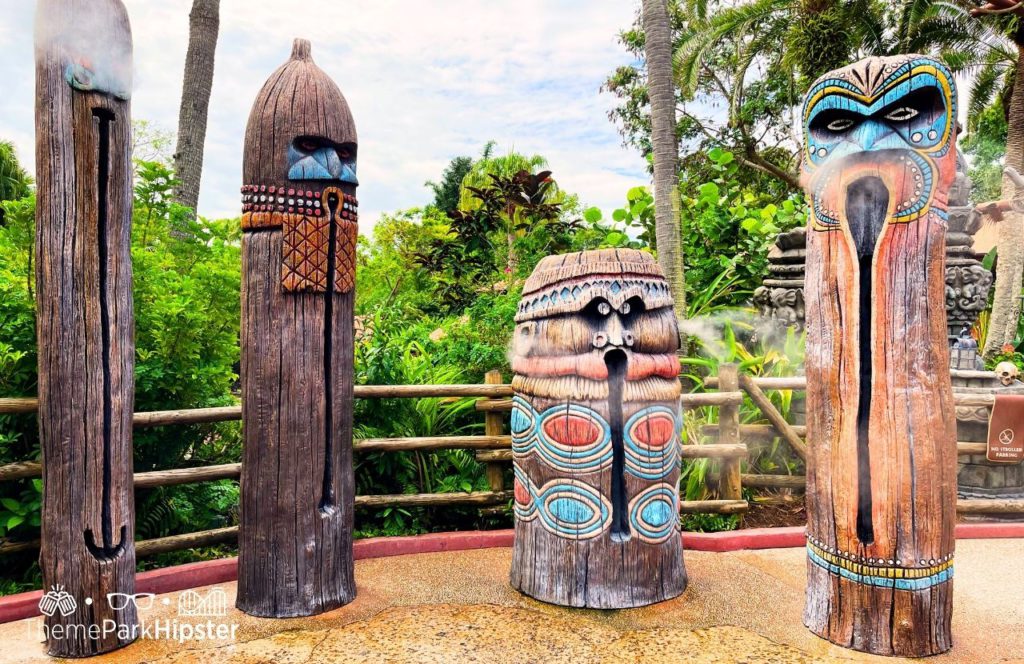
(665, 147)
(1000, 80)
(806, 38)
(204, 25)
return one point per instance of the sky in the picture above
(427, 80)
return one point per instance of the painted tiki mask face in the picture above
(879, 158)
(300, 174)
(596, 415)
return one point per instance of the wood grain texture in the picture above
(295, 540)
(595, 434)
(881, 480)
(85, 322)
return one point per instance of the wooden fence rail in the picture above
(494, 450)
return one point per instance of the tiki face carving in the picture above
(298, 277)
(300, 174)
(594, 423)
(315, 158)
(879, 135)
(879, 158)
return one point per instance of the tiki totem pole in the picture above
(879, 158)
(298, 287)
(86, 326)
(595, 424)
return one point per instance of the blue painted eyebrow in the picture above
(837, 101)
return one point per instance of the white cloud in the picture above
(426, 81)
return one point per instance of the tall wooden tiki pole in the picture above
(879, 158)
(595, 426)
(298, 289)
(85, 321)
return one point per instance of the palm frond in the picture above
(733, 22)
(984, 90)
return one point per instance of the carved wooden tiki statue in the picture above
(879, 157)
(595, 424)
(85, 331)
(298, 286)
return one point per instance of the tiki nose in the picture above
(612, 335)
(348, 174)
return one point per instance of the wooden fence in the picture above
(494, 450)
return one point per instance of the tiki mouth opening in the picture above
(867, 207)
(617, 361)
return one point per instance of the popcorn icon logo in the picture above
(57, 600)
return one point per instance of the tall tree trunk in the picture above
(204, 24)
(1010, 270)
(661, 88)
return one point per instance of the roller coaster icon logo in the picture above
(213, 604)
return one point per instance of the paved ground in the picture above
(457, 607)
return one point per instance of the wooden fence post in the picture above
(86, 329)
(298, 292)
(493, 426)
(729, 484)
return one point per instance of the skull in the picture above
(1006, 372)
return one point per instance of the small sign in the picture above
(1006, 429)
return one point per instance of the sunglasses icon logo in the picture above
(121, 601)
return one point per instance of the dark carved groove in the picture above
(328, 498)
(867, 204)
(616, 362)
(102, 119)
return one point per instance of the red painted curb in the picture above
(754, 538)
(383, 547)
(210, 572)
(989, 530)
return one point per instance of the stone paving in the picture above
(743, 606)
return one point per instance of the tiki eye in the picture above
(902, 114)
(344, 153)
(625, 308)
(308, 144)
(604, 308)
(828, 125)
(841, 124)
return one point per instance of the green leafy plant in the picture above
(23, 511)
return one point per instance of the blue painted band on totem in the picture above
(566, 508)
(642, 461)
(528, 435)
(882, 577)
(581, 293)
(654, 513)
(650, 462)
(837, 93)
